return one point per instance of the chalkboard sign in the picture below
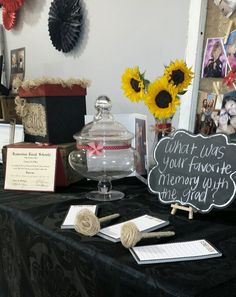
(194, 170)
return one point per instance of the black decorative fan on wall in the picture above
(65, 24)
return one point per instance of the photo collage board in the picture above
(216, 110)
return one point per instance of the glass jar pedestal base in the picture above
(105, 192)
(110, 196)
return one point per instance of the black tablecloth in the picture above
(39, 259)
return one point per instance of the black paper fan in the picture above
(65, 24)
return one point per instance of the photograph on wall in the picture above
(227, 116)
(214, 61)
(216, 114)
(227, 7)
(17, 64)
(140, 145)
(230, 49)
(206, 113)
(219, 101)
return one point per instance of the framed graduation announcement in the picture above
(194, 170)
(31, 168)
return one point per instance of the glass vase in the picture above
(161, 129)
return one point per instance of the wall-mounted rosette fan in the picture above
(9, 11)
(65, 24)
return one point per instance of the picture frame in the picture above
(17, 64)
(215, 60)
(206, 112)
(140, 145)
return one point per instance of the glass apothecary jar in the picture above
(104, 152)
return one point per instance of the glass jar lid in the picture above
(103, 128)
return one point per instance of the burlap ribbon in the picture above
(163, 128)
(21, 107)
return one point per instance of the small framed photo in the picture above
(206, 101)
(205, 112)
(140, 145)
(17, 64)
(214, 61)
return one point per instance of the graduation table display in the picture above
(38, 258)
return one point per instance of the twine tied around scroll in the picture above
(130, 235)
(87, 223)
(21, 107)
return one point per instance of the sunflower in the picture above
(179, 75)
(133, 84)
(162, 99)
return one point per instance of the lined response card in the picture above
(174, 252)
(72, 212)
(144, 223)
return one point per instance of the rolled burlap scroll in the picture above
(88, 224)
(130, 235)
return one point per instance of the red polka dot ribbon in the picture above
(97, 149)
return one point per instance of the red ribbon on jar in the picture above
(97, 149)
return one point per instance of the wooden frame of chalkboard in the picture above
(194, 170)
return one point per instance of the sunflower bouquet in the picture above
(161, 96)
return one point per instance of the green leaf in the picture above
(183, 92)
(142, 75)
(146, 83)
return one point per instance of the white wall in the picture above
(118, 34)
(194, 48)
